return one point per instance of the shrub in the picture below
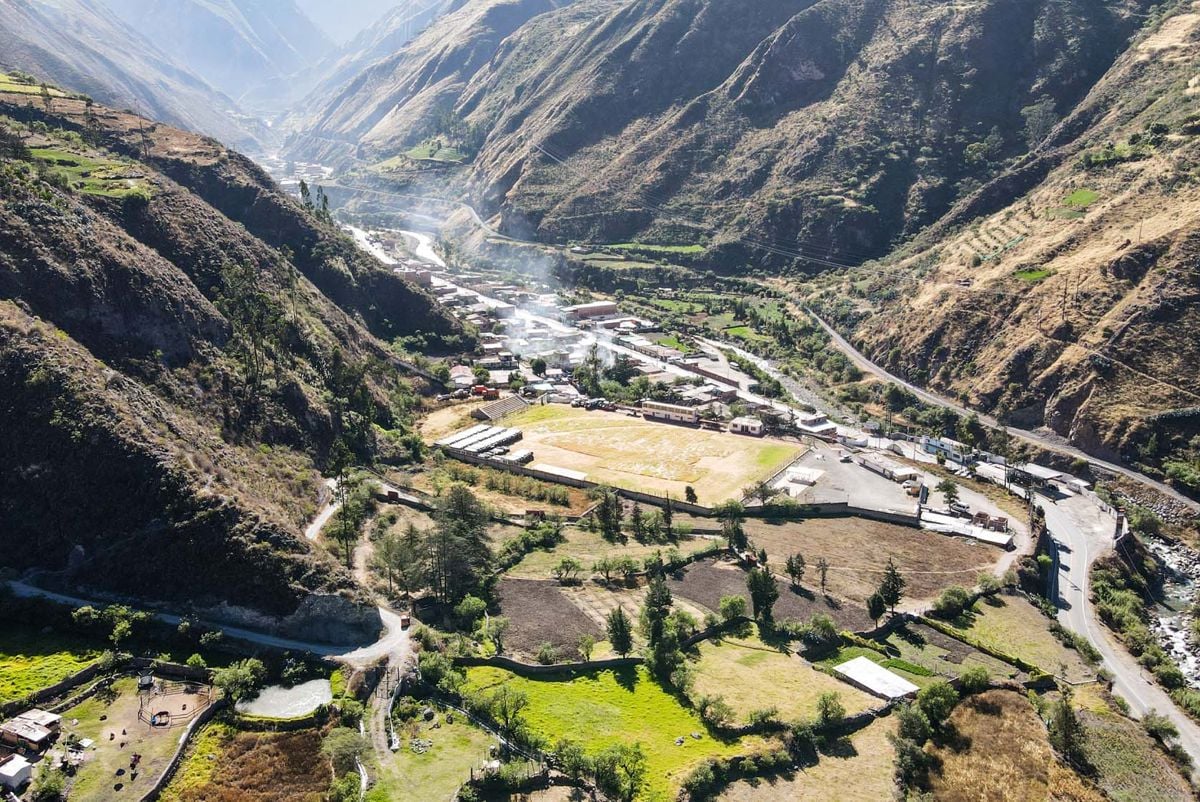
(830, 711)
(952, 602)
(936, 700)
(547, 654)
(975, 680)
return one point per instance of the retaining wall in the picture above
(518, 667)
(51, 691)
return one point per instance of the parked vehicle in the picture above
(960, 509)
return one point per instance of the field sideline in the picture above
(616, 449)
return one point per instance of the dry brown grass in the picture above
(858, 550)
(1000, 751)
(264, 767)
(863, 774)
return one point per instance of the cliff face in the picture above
(174, 374)
(819, 128)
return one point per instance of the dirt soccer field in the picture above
(616, 449)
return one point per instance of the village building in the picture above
(747, 425)
(673, 413)
(816, 424)
(945, 448)
(462, 376)
(889, 469)
(590, 310)
(15, 771)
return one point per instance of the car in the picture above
(960, 509)
(444, 397)
(845, 457)
(460, 394)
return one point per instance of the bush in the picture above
(936, 700)
(547, 655)
(975, 680)
(953, 601)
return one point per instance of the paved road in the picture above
(1049, 443)
(1085, 532)
(393, 639)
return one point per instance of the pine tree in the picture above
(876, 607)
(656, 609)
(892, 587)
(620, 631)
(795, 567)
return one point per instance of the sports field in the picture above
(616, 449)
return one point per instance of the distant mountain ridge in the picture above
(82, 46)
(248, 49)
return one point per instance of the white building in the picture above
(15, 771)
(589, 310)
(747, 425)
(657, 410)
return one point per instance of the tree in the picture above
(656, 609)
(572, 758)
(620, 771)
(823, 570)
(637, 522)
(606, 566)
(689, 495)
(952, 602)
(469, 611)
(494, 629)
(732, 607)
(762, 491)
(763, 592)
(567, 570)
(620, 631)
(949, 490)
(913, 723)
(457, 551)
(830, 710)
(50, 785)
(240, 679)
(1066, 732)
(936, 700)
(586, 644)
(343, 746)
(732, 515)
(795, 568)
(505, 706)
(538, 366)
(892, 587)
(876, 607)
(255, 318)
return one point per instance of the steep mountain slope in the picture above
(342, 22)
(1066, 292)
(831, 127)
(409, 90)
(81, 45)
(246, 48)
(181, 345)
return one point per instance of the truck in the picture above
(490, 394)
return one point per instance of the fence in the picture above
(169, 772)
(163, 717)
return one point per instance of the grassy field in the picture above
(861, 773)
(1130, 767)
(750, 675)
(112, 179)
(1033, 274)
(610, 707)
(406, 776)
(102, 719)
(642, 246)
(1016, 627)
(672, 341)
(10, 84)
(588, 547)
(858, 550)
(31, 660)
(1002, 752)
(435, 152)
(623, 451)
(1081, 198)
(223, 763)
(929, 649)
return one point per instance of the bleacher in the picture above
(498, 409)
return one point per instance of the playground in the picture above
(133, 734)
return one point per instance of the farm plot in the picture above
(1130, 766)
(858, 549)
(31, 660)
(604, 708)
(538, 612)
(704, 583)
(749, 675)
(110, 719)
(589, 547)
(615, 449)
(925, 647)
(434, 768)
(861, 772)
(1012, 625)
(1001, 752)
(225, 763)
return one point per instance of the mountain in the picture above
(1065, 292)
(409, 89)
(80, 44)
(343, 21)
(835, 127)
(182, 346)
(248, 49)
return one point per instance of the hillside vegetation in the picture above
(182, 347)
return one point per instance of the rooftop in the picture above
(875, 678)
